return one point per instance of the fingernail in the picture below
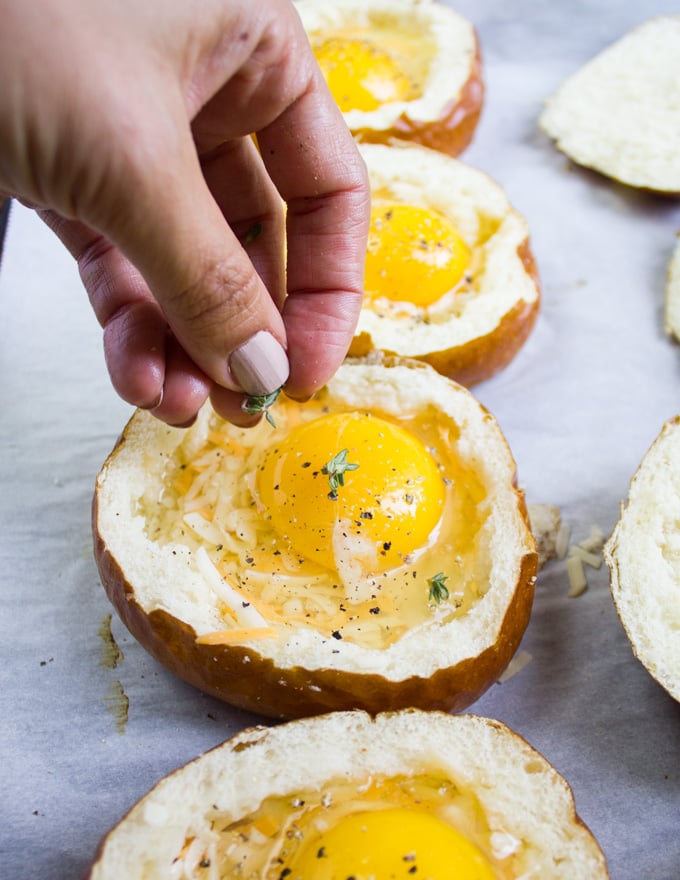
(154, 403)
(260, 365)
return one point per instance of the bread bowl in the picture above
(643, 555)
(407, 69)
(429, 589)
(450, 276)
(619, 113)
(345, 794)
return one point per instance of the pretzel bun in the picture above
(619, 114)
(228, 559)
(644, 562)
(455, 284)
(464, 793)
(407, 69)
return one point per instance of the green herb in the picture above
(254, 232)
(335, 469)
(438, 591)
(261, 403)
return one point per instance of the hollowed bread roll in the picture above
(260, 568)
(407, 69)
(344, 795)
(619, 114)
(450, 276)
(643, 555)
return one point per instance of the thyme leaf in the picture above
(335, 470)
(254, 232)
(261, 403)
(438, 591)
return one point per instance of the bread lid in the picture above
(643, 555)
(620, 114)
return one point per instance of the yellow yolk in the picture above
(414, 254)
(388, 501)
(361, 76)
(387, 845)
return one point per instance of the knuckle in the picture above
(224, 292)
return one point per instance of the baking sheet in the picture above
(85, 732)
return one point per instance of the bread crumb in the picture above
(545, 524)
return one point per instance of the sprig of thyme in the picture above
(335, 470)
(261, 403)
(438, 590)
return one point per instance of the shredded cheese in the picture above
(235, 636)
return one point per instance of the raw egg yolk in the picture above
(361, 76)
(387, 500)
(390, 844)
(414, 254)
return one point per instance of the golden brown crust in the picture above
(452, 132)
(243, 678)
(481, 358)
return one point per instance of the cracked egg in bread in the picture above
(450, 277)
(371, 550)
(403, 795)
(407, 69)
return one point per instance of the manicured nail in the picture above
(260, 365)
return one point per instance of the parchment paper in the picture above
(85, 732)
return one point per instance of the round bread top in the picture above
(643, 554)
(620, 114)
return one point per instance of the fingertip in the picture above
(230, 406)
(185, 389)
(319, 328)
(134, 350)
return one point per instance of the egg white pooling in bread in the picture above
(399, 68)
(403, 794)
(462, 294)
(643, 555)
(620, 113)
(226, 557)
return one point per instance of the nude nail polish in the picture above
(260, 365)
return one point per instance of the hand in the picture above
(128, 127)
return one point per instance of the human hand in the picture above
(127, 126)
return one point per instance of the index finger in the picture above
(316, 166)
